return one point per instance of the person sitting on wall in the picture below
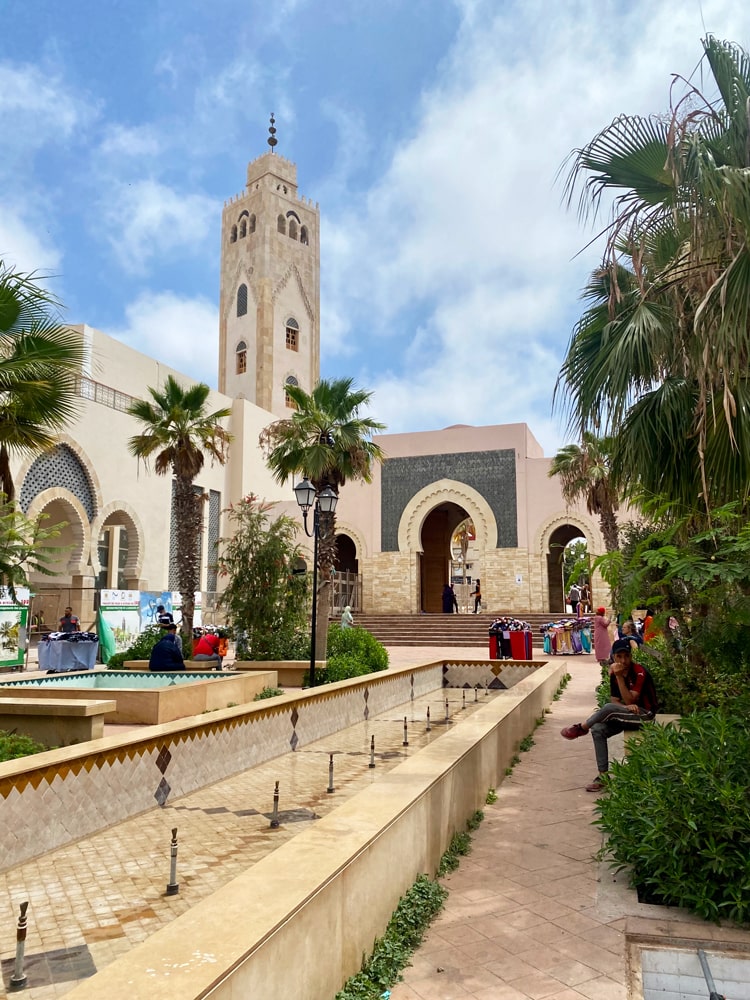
(166, 654)
(207, 648)
(632, 701)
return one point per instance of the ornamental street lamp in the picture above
(324, 502)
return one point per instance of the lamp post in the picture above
(325, 502)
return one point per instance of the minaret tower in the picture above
(269, 302)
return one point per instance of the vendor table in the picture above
(60, 655)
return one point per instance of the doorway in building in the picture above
(346, 583)
(437, 533)
(561, 542)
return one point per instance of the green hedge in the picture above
(352, 652)
(13, 746)
(678, 814)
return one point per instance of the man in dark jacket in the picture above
(166, 654)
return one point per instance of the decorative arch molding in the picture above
(292, 271)
(78, 521)
(243, 274)
(446, 491)
(587, 527)
(360, 546)
(80, 454)
(136, 538)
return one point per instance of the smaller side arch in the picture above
(79, 556)
(129, 518)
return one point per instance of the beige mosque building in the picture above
(394, 535)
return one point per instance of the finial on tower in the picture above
(272, 140)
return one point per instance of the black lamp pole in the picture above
(325, 501)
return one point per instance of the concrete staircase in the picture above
(444, 630)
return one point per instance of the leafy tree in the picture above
(177, 433)
(660, 355)
(576, 563)
(23, 547)
(584, 473)
(40, 362)
(327, 441)
(265, 596)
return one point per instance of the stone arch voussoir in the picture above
(446, 491)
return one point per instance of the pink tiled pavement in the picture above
(521, 921)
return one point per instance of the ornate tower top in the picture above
(272, 140)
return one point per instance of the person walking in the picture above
(632, 701)
(477, 595)
(574, 599)
(448, 598)
(347, 620)
(602, 642)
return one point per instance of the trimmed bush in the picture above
(678, 814)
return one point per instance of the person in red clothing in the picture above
(207, 648)
(632, 701)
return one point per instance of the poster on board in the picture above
(14, 615)
(130, 612)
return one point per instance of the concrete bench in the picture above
(56, 722)
(201, 666)
(290, 672)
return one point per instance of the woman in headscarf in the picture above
(602, 642)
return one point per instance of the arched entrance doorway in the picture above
(346, 584)
(437, 531)
(559, 538)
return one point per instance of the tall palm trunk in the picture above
(6, 479)
(188, 514)
(326, 563)
(610, 530)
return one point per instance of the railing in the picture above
(104, 394)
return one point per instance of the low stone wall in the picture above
(290, 672)
(57, 722)
(53, 798)
(298, 922)
(158, 704)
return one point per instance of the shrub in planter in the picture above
(15, 745)
(140, 650)
(677, 814)
(352, 652)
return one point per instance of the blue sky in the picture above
(430, 131)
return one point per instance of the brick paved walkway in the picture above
(523, 920)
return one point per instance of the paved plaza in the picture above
(527, 917)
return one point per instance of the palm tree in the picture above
(661, 356)
(178, 431)
(584, 474)
(40, 362)
(327, 441)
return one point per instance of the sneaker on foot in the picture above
(597, 785)
(573, 732)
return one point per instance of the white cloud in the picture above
(466, 231)
(130, 141)
(179, 332)
(25, 244)
(148, 218)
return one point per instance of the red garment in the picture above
(635, 682)
(648, 633)
(208, 644)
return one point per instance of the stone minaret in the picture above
(269, 304)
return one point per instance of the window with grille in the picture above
(292, 335)
(241, 356)
(242, 300)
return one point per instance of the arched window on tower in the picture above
(290, 380)
(303, 237)
(233, 235)
(251, 227)
(242, 300)
(292, 229)
(241, 355)
(243, 229)
(292, 334)
(281, 224)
